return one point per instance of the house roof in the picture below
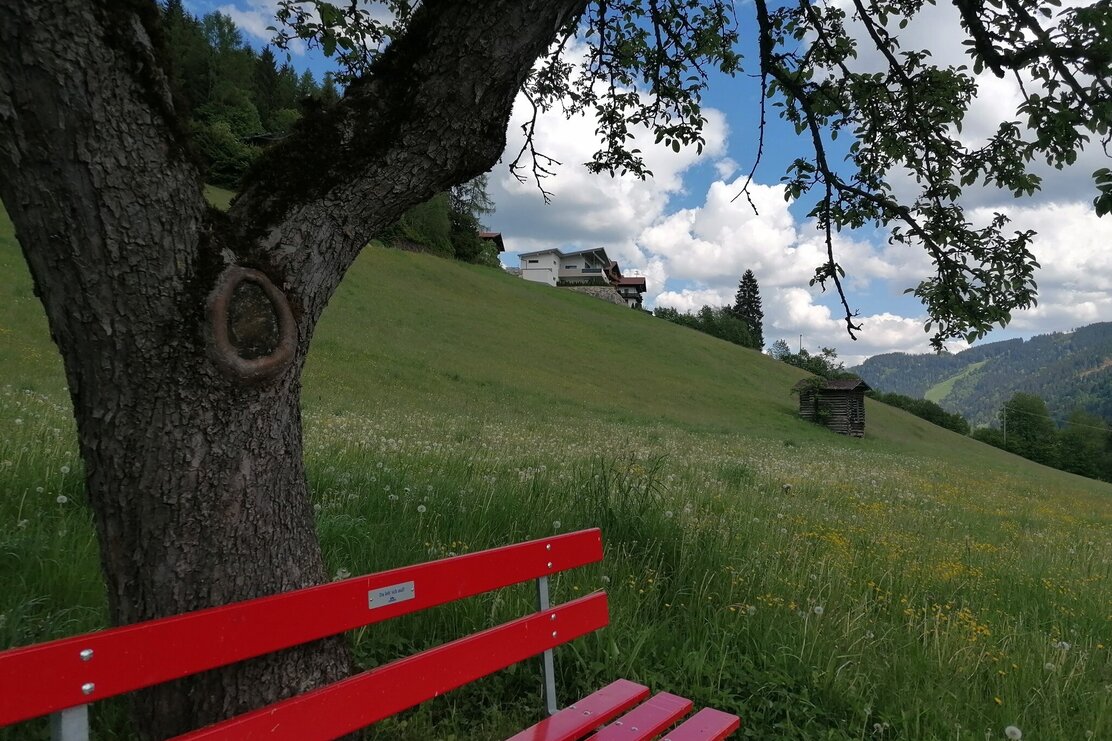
(637, 282)
(594, 250)
(838, 384)
(495, 237)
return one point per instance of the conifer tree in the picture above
(265, 87)
(747, 307)
(307, 86)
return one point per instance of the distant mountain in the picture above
(1067, 369)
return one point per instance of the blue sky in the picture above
(686, 234)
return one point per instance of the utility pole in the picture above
(1004, 412)
(800, 344)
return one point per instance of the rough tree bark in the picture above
(183, 331)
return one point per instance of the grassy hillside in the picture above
(914, 584)
(942, 389)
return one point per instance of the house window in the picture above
(569, 267)
(532, 262)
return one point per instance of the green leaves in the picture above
(908, 119)
(1103, 202)
(351, 33)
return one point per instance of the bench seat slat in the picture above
(646, 721)
(48, 677)
(706, 725)
(586, 715)
(366, 698)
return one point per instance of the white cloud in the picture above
(725, 167)
(1072, 247)
(586, 209)
(253, 17)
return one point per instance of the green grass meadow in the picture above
(912, 585)
(940, 391)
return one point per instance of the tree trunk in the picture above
(183, 331)
(195, 480)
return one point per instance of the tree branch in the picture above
(431, 112)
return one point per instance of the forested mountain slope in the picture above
(1069, 370)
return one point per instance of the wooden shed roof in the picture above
(838, 384)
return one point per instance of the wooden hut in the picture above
(835, 403)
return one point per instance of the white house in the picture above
(553, 266)
(549, 266)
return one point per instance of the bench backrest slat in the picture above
(358, 701)
(42, 679)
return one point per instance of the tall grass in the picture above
(819, 594)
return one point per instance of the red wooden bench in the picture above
(62, 677)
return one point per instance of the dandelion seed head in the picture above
(421, 509)
(1013, 733)
(64, 469)
(61, 499)
(555, 524)
(1049, 666)
(818, 610)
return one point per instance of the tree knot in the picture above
(252, 334)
